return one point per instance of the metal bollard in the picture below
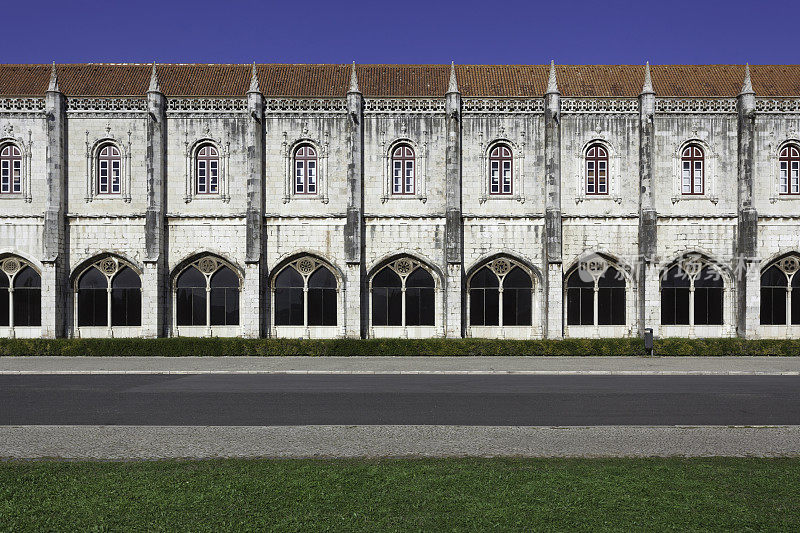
(648, 341)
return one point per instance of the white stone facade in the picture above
(491, 226)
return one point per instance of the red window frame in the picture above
(10, 169)
(789, 164)
(501, 159)
(207, 178)
(109, 170)
(404, 181)
(597, 170)
(306, 170)
(693, 160)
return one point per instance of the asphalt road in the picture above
(482, 400)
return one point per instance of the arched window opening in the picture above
(207, 169)
(500, 294)
(403, 174)
(597, 170)
(501, 170)
(20, 294)
(207, 294)
(780, 304)
(692, 293)
(305, 170)
(790, 170)
(108, 170)
(10, 169)
(596, 295)
(109, 286)
(305, 294)
(403, 294)
(692, 170)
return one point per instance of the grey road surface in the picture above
(468, 400)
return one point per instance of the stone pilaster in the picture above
(357, 303)
(554, 294)
(648, 302)
(454, 229)
(55, 262)
(748, 291)
(254, 310)
(155, 279)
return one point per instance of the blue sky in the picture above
(411, 31)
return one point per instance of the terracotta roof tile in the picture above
(103, 79)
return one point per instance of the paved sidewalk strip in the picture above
(785, 366)
(159, 442)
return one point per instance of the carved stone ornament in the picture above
(692, 266)
(207, 265)
(403, 266)
(306, 266)
(789, 265)
(11, 266)
(501, 267)
(107, 266)
(595, 267)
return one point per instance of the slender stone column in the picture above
(253, 306)
(55, 262)
(647, 271)
(454, 229)
(552, 167)
(357, 302)
(748, 293)
(154, 282)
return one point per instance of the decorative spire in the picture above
(254, 87)
(747, 88)
(353, 80)
(552, 84)
(453, 86)
(53, 87)
(154, 87)
(648, 82)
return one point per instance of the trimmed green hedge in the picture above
(176, 347)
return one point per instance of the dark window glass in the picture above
(484, 299)
(580, 298)
(191, 298)
(387, 299)
(4, 317)
(322, 298)
(126, 298)
(611, 298)
(27, 298)
(224, 298)
(675, 297)
(773, 296)
(420, 298)
(795, 301)
(517, 298)
(289, 298)
(708, 297)
(93, 298)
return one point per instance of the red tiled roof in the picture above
(103, 79)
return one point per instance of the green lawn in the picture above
(398, 495)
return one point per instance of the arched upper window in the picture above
(305, 294)
(20, 293)
(692, 293)
(109, 166)
(692, 170)
(779, 282)
(790, 169)
(500, 294)
(403, 294)
(596, 295)
(10, 169)
(207, 294)
(403, 173)
(501, 170)
(207, 165)
(597, 169)
(109, 286)
(305, 170)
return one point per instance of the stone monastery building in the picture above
(399, 200)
